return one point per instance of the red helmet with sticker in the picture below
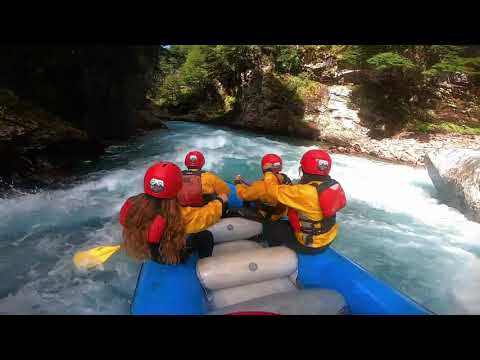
(273, 159)
(163, 180)
(316, 162)
(194, 160)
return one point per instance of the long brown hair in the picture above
(143, 211)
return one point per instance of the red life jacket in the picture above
(331, 199)
(191, 193)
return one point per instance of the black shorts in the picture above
(201, 242)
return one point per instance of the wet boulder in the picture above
(456, 175)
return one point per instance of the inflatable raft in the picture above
(245, 276)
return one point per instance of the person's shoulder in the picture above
(294, 188)
(186, 210)
(212, 174)
(268, 176)
(209, 172)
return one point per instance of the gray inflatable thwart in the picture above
(304, 302)
(232, 229)
(246, 267)
(218, 299)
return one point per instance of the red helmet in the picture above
(316, 162)
(273, 159)
(194, 160)
(163, 180)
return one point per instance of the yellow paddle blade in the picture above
(89, 259)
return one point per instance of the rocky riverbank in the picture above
(410, 148)
(39, 149)
(342, 127)
(329, 117)
(36, 147)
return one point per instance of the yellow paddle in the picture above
(89, 259)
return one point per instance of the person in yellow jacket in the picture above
(197, 219)
(312, 206)
(199, 186)
(266, 207)
(156, 227)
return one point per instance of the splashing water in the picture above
(394, 226)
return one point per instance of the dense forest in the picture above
(420, 87)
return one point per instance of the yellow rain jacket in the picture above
(257, 192)
(302, 198)
(211, 184)
(200, 218)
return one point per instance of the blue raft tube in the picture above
(176, 289)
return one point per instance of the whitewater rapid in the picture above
(394, 225)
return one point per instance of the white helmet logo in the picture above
(277, 165)
(322, 164)
(157, 185)
(193, 158)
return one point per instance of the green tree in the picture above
(288, 59)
